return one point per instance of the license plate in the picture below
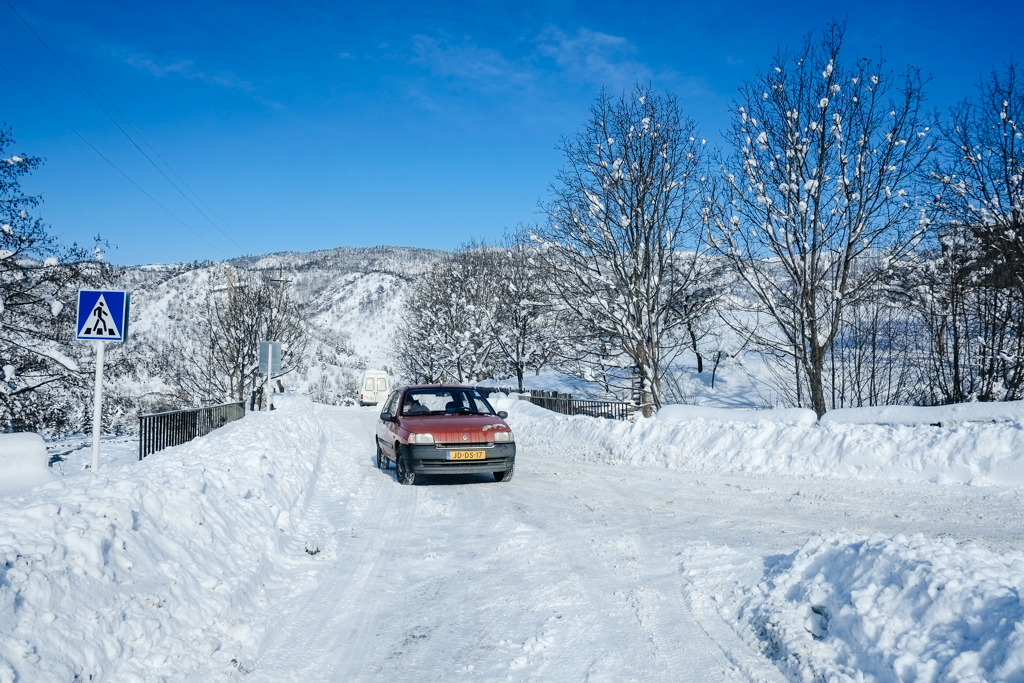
(467, 455)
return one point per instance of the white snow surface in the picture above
(894, 608)
(686, 413)
(145, 571)
(274, 550)
(969, 453)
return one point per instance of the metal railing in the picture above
(567, 405)
(163, 430)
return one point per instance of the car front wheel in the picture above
(382, 461)
(507, 474)
(402, 472)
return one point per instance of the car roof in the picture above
(439, 386)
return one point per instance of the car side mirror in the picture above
(387, 417)
(502, 414)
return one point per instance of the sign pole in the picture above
(97, 406)
(102, 317)
(270, 362)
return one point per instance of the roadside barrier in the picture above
(163, 430)
(567, 405)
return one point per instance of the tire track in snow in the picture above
(688, 651)
(702, 568)
(299, 651)
(549, 577)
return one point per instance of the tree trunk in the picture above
(693, 342)
(814, 379)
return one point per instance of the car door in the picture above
(386, 430)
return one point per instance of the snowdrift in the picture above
(152, 569)
(843, 607)
(969, 453)
(686, 413)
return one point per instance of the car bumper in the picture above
(434, 460)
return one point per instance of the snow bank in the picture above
(152, 569)
(686, 413)
(970, 453)
(24, 462)
(513, 404)
(892, 609)
(946, 416)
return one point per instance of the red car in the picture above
(443, 429)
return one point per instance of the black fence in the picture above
(567, 405)
(163, 430)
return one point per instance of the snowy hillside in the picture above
(351, 300)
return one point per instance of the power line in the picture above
(93, 148)
(107, 114)
(120, 128)
(136, 131)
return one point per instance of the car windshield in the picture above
(445, 402)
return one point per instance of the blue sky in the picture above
(310, 126)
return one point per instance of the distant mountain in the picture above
(352, 300)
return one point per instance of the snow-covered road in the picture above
(571, 572)
(274, 550)
(563, 574)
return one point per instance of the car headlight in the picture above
(503, 437)
(421, 438)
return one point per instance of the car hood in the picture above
(451, 428)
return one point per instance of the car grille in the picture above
(463, 445)
(440, 464)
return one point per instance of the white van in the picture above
(374, 388)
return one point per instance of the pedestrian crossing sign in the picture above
(102, 315)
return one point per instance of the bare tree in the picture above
(821, 177)
(40, 368)
(873, 359)
(973, 326)
(975, 278)
(520, 316)
(445, 334)
(981, 179)
(217, 346)
(623, 237)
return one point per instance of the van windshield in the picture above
(445, 402)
